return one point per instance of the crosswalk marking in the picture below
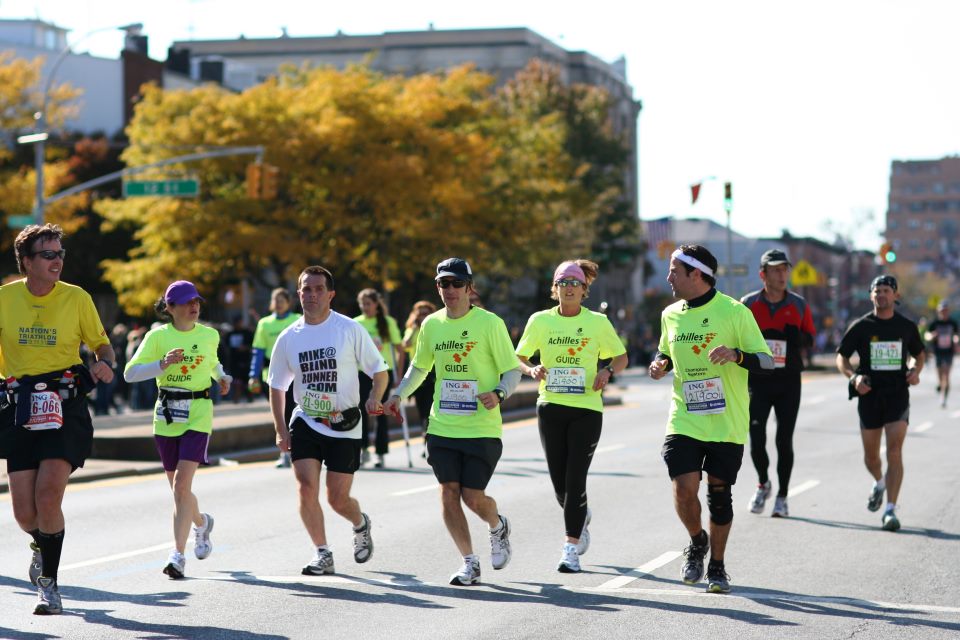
(803, 486)
(923, 426)
(642, 570)
(410, 492)
(116, 556)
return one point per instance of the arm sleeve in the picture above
(757, 362)
(411, 382)
(145, 354)
(662, 356)
(509, 381)
(141, 372)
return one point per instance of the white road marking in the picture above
(803, 486)
(815, 400)
(334, 579)
(613, 447)
(116, 556)
(923, 426)
(410, 492)
(955, 414)
(640, 571)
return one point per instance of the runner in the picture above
(942, 334)
(423, 396)
(891, 358)
(321, 354)
(476, 370)
(709, 419)
(385, 333)
(45, 427)
(787, 324)
(268, 329)
(571, 339)
(182, 356)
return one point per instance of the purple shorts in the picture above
(192, 446)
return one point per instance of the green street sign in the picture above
(19, 222)
(183, 188)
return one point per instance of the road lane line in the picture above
(815, 400)
(410, 492)
(116, 556)
(955, 414)
(330, 579)
(923, 426)
(642, 570)
(613, 447)
(803, 486)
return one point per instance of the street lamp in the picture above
(40, 136)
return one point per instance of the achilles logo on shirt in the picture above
(701, 340)
(318, 369)
(463, 350)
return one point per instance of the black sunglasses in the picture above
(456, 284)
(50, 254)
(568, 283)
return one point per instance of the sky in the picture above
(802, 106)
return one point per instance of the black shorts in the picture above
(881, 406)
(341, 455)
(467, 461)
(944, 358)
(25, 449)
(684, 454)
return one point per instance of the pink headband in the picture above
(569, 270)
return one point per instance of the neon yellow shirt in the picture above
(388, 349)
(268, 330)
(710, 402)
(569, 349)
(193, 374)
(43, 334)
(470, 354)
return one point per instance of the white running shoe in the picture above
(569, 559)
(760, 497)
(780, 509)
(202, 547)
(321, 565)
(500, 544)
(48, 598)
(283, 462)
(175, 565)
(469, 573)
(362, 542)
(584, 542)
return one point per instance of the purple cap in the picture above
(569, 270)
(181, 292)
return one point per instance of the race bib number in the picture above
(704, 397)
(318, 404)
(566, 379)
(779, 350)
(886, 356)
(46, 411)
(179, 410)
(458, 397)
(944, 340)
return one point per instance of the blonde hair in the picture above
(412, 319)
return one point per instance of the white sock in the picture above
(880, 484)
(323, 547)
(498, 528)
(890, 507)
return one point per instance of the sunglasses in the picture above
(456, 284)
(568, 283)
(50, 254)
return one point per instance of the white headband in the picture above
(693, 262)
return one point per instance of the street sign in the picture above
(19, 222)
(803, 274)
(181, 188)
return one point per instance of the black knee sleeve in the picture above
(720, 503)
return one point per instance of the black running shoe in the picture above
(693, 566)
(717, 579)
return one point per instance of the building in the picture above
(923, 216)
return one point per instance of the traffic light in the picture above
(268, 187)
(887, 255)
(728, 196)
(253, 181)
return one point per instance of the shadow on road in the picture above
(936, 534)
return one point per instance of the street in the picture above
(826, 572)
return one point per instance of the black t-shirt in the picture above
(943, 332)
(883, 347)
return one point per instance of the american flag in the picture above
(660, 230)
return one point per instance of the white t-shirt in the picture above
(323, 362)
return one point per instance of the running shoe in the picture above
(321, 565)
(584, 542)
(202, 547)
(693, 566)
(875, 501)
(890, 520)
(380, 463)
(717, 579)
(36, 564)
(362, 542)
(569, 559)
(500, 544)
(48, 598)
(364, 457)
(175, 565)
(468, 574)
(283, 462)
(760, 497)
(780, 508)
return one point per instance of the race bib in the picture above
(704, 397)
(886, 356)
(566, 379)
(779, 350)
(458, 397)
(944, 340)
(318, 404)
(46, 411)
(179, 410)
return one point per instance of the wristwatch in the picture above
(112, 365)
(609, 368)
(501, 395)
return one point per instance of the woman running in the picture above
(571, 340)
(182, 356)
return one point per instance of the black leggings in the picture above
(569, 436)
(383, 426)
(783, 396)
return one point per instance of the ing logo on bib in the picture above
(697, 348)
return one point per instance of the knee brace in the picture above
(720, 503)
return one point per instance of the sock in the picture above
(700, 539)
(35, 534)
(471, 557)
(880, 484)
(890, 507)
(363, 524)
(51, 546)
(715, 563)
(499, 527)
(323, 547)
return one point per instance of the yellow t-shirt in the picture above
(43, 334)
(387, 350)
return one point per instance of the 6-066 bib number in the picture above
(46, 411)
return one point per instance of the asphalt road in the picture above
(826, 572)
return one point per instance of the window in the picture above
(930, 225)
(895, 207)
(913, 243)
(892, 225)
(937, 187)
(913, 224)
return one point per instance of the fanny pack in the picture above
(344, 420)
(165, 396)
(69, 383)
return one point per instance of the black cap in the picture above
(889, 281)
(773, 257)
(454, 268)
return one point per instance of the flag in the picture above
(695, 191)
(659, 231)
